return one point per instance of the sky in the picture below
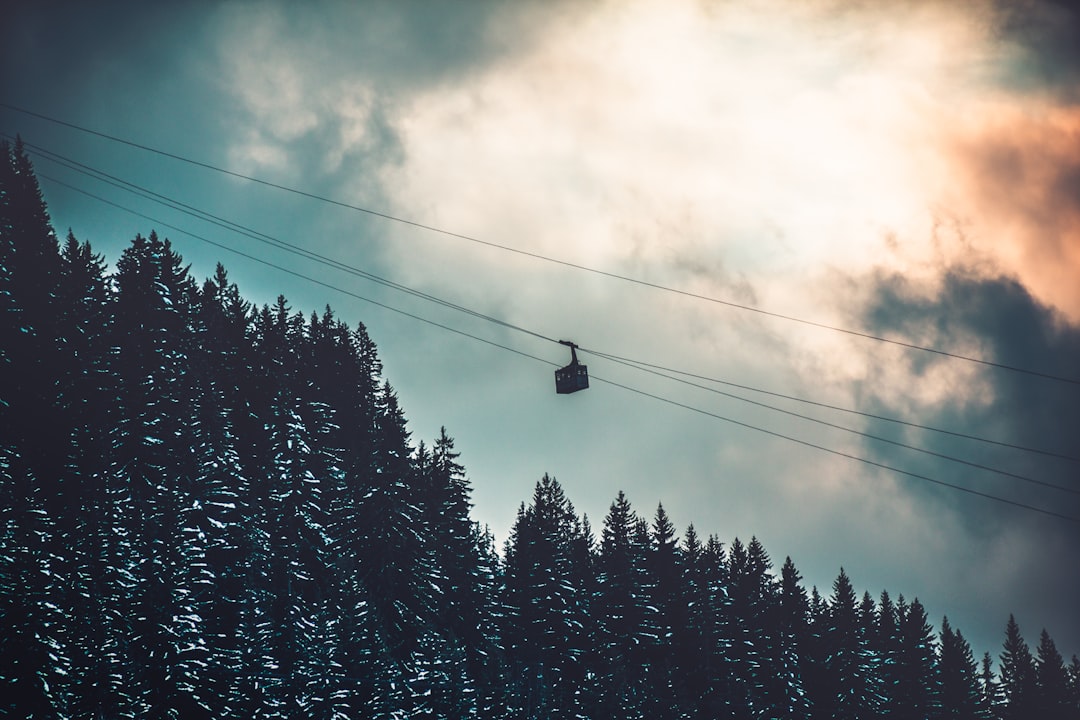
(908, 170)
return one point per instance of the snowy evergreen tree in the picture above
(152, 454)
(990, 700)
(1053, 681)
(792, 637)
(627, 632)
(33, 550)
(667, 595)
(1074, 684)
(1019, 682)
(846, 658)
(886, 642)
(546, 610)
(918, 692)
(959, 676)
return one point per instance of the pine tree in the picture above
(793, 633)
(1019, 684)
(886, 642)
(1053, 681)
(990, 700)
(668, 597)
(33, 551)
(1074, 684)
(546, 608)
(395, 565)
(86, 391)
(627, 630)
(959, 681)
(752, 629)
(817, 679)
(694, 647)
(918, 691)
(154, 331)
(847, 665)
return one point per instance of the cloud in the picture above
(1003, 546)
(1017, 176)
(1044, 34)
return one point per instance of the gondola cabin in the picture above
(574, 376)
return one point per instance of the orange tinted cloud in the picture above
(1016, 175)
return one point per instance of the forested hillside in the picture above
(216, 510)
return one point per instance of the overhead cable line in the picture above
(268, 239)
(841, 453)
(826, 423)
(294, 273)
(539, 256)
(773, 433)
(641, 364)
(331, 262)
(262, 237)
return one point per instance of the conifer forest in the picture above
(216, 510)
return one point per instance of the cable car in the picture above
(574, 376)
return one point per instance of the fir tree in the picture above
(1074, 684)
(33, 550)
(959, 679)
(918, 691)
(1019, 683)
(667, 595)
(627, 632)
(847, 666)
(793, 636)
(1053, 681)
(546, 610)
(155, 335)
(886, 642)
(990, 700)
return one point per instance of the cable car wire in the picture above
(262, 237)
(539, 256)
(907, 423)
(294, 273)
(669, 401)
(841, 453)
(266, 239)
(853, 431)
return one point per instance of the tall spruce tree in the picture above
(919, 688)
(86, 393)
(667, 595)
(1074, 684)
(990, 700)
(627, 628)
(847, 668)
(155, 335)
(546, 609)
(695, 647)
(959, 676)
(1019, 682)
(34, 553)
(793, 630)
(1053, 680)
(886, 641)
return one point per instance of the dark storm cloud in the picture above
(1048, 31)
(996, 318)
(1022, 562)
(59, 51)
